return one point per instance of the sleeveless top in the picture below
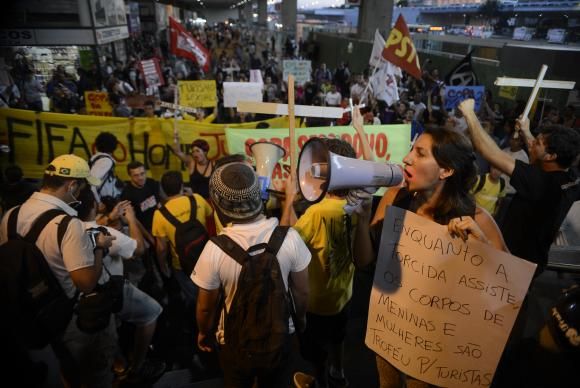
(198, 182)
(404, 200)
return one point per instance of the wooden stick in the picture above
(176, 102)
(537, 86)
(291, 128)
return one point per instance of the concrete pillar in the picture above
(289, 15)
(245, 14)
(85, 13)
(374, 14)
(263, 12)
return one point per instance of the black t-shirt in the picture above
(537, 210)
(144, 200)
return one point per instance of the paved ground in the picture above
(359, 360)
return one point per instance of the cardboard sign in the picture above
(97, 103)
(441, 309)
(301, 70)
(455, 94)
(241, 91)
(152, 72)
(197, 94)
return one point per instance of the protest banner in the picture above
(400, 50)
(241, 91)
(299, 69)
(34, 139)
(97, 103)
(389, 143)
(455, 94)
(441, 309)
(197, 94)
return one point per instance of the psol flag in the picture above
(400, 50)
(184, 45)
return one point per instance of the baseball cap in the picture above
(72, 166)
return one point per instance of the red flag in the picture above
(184, 45)
(400, 50)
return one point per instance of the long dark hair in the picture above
(453, 150)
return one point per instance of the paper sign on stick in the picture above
(299, 69)
(241, 91)
(197, 94)
(441, 309)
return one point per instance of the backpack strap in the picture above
(231, 248)
(11, 227)
(277, 238)
(501, 184)
(169, 217)
(480, 184)
(41, 222)
(193, 208)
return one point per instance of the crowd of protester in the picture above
(466, 169)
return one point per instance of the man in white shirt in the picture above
(333, 97)
(235, 192)
(418, 107)
(76, 264)
(137, 308)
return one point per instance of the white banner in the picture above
(301, 70)
(241, 91)
(441, 309)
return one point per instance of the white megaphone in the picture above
(320, 171)
(267, 156)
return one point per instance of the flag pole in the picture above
(291, 128)
(364, 93)
(176, 102)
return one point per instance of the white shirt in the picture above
(418, 108)
(76, 251)
(123, 247)
(100, 169)
(214, 267)
(333, 99)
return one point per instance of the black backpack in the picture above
(37, 310)
(256, 325)
(190, 237)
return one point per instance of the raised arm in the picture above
(176, 147)
(357, 123)
(483, 143)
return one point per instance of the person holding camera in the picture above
(86, 358)
(130, 304)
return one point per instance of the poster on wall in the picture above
(108, 12)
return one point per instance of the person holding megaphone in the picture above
(439, 172)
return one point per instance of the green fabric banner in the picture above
(389, 143)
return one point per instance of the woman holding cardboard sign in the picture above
(439, 172)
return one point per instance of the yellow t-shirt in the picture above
(489, 194)
(331, 271)
(181, 209)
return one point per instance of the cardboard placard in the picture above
(441, 309)
(197, 94)
(241, 91)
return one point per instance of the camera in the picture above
(94, 232)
